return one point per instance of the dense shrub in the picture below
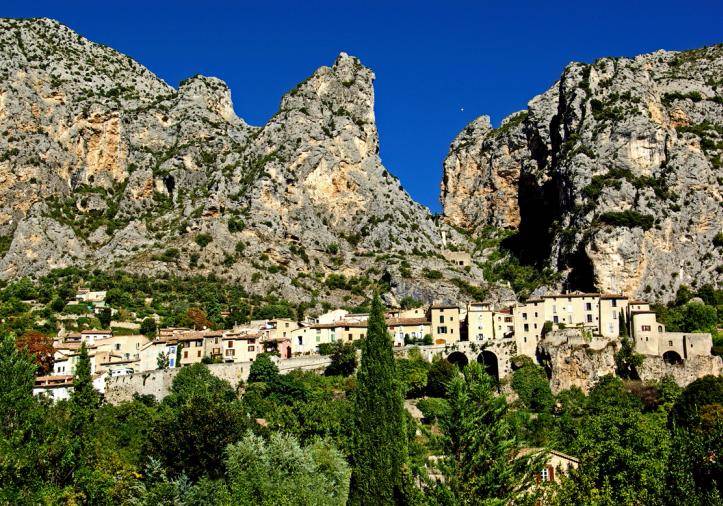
(628, 218)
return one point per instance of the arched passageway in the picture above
(672, 357)
(458, 358)
(490, 363)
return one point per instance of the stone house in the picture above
(445, 323)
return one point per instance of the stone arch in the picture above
(458, 358)
(490, 363)
(672, 357)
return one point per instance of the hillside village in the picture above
(492, 334)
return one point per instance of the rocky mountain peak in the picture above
(612, 177)
(103, 164)
(208, 93)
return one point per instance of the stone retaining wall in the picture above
(158, 383)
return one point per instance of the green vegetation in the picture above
(203, 239)
(669, 98)
(379, 445)
(484, 454)
(684, 315)
(627, 218)
(168, 296)
(5, 242)
(614, 178)
(281, 471)
(343, 360)
(432, 274)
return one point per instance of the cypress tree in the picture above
(84, 399)
(379, 439)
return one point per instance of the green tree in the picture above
(440, 374)
(343, 360)
(379, 449)
(693, 473)
(263, 370)
(196, 421)
(281, 471)
(85, 399)
(413, 372)
(104, 317)
(485, 463)
(627, 360)
(148, 327)
(17, 420)
(532, 387)
(704, 391)
(624, 451)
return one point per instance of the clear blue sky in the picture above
(431, 59)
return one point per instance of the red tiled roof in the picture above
(407, 321)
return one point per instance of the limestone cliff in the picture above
(573, 360)
(102, 164)
(613, 176)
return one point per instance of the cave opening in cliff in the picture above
(539, 207)
(582, 273)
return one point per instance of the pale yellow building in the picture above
(480, 323)
(445, 323)
(241, 347)
(408, 329)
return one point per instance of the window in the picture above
(349, 337)
(660, 328)
(588, 306)
(441, 318)
(451, 318)
(185, 354)
(527, 327)
(441, 330)
(555, 319)
(230, 344)
(589, 318)
(117, 346)
(535, 313)
(199, 353)
(615, 315)
(230, 353)
(545, 475)
(646, 328)
(615, 303)
(300, 341)
(670, 343)
(252, 348)
(554, 308)
(524, 316)
(215, 340)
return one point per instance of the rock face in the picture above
(573, 361)
(102, 164)
(613, 176)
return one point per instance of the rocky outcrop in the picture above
(103, 164)
(613, 176)
(575, 360)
